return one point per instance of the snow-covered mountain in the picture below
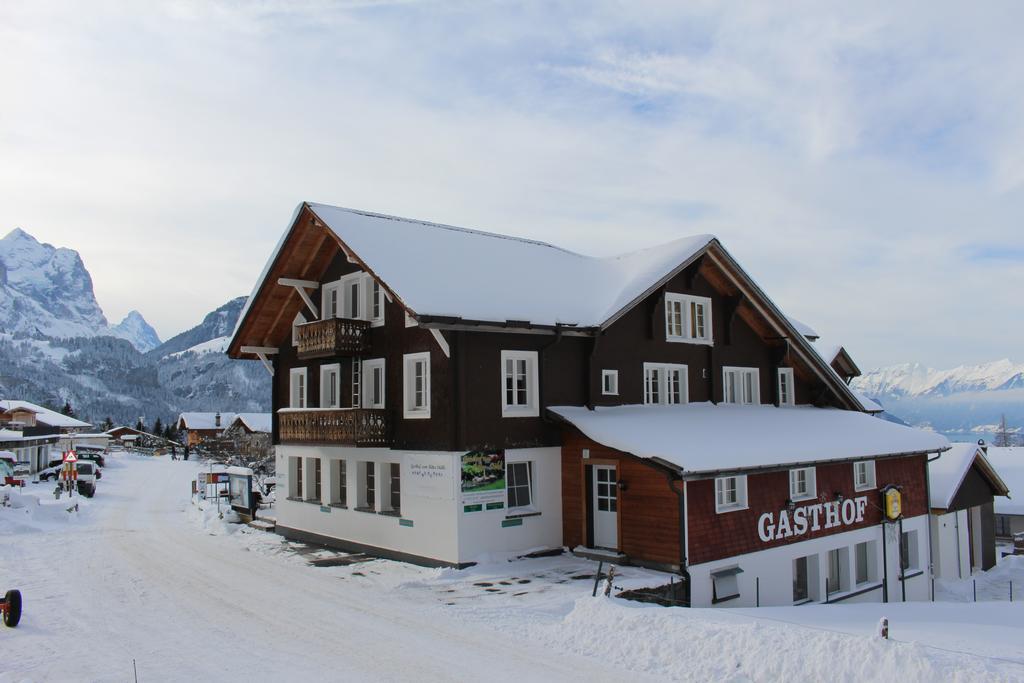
(915, 380)
(47, 291)
(964, 402)
(56, 345)
(136, 330)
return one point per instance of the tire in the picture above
(13, 613)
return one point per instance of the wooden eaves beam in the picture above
(261, 352)
(301, 286)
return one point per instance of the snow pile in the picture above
(216, 522)
(993, 585)
(22, 512)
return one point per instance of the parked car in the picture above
(92, 456)
(87, 478)
(51, 472)
(22, 470)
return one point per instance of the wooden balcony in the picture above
(346, 427)
(333, 337)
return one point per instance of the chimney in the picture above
(984, 446)
(217, 421)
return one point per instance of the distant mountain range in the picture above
(56, 345)
(966, 400)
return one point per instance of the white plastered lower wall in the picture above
(431, 523)
(950, 545)
(769, 573)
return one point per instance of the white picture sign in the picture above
(811, 518)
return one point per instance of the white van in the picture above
(86, 478)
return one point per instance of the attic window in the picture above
(687, 318)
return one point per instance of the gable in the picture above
(975, 489)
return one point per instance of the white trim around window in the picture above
(786, 387)
(731, 493)
(298, 388)
(416, 385)
(377, 303)
(864, 475)
(610, 382)
(519, 384)
(666, 383)
(803, 484)
(374, 384)
(688, 318)
(330, 386)
(741, 385)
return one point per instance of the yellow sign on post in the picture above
(893, 503)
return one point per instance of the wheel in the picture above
(13, 613)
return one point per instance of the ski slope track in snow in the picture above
(140, 574)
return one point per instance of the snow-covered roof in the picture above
(44, 415)
(704, 437)
(462, 276)
(206, 420)
(1009, 463)
(243, 471)
(256, 422)
(828, 353)
(946, 474)
(803, 328)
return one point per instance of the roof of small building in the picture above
(256, 422)
(705, 437)
(946, 474)
(44, 415)
(206, 420)
(1009, 462)
(828, 353)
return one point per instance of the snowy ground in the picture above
(139, 573)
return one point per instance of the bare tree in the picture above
(1003, 438)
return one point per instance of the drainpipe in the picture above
(684, 570)
(590, 372)
(541, 355)
(928, 500)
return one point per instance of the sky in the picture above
(863, 161)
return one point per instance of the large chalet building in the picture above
(443, 394)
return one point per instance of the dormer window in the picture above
(741, 385)
(786, 395)
(688, 318)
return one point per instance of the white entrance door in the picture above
(606, 506)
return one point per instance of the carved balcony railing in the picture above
(347, 427)
(333, 337)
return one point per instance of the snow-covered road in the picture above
(141, 574)
(135, 580)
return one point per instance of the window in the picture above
(801, 583)
(519, 483)
(687, 318)
(416, 385)
(317, 479)
(377, 304)
(297, 387)
(610, 382)
(356, 386)
(296, 483)
(353, 294)
(862, 561)
(519, 384)
(371, 485)
(299, 320)
(787, 397)
(665, 383)
(741, 385)
(342, 483)
(802, 484)
(1003, 525)
(725, 584)
(834, 571)
(909, 557)
(373, 396)
(330, 301)
(330, 386)
(731, 493)
(396, 486)
(864, 475)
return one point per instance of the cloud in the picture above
(847, 157)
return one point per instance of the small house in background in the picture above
(249, 435)
(31, 431)
(201, 427)
(963, 486)
(1009, 511)
(131, 437)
